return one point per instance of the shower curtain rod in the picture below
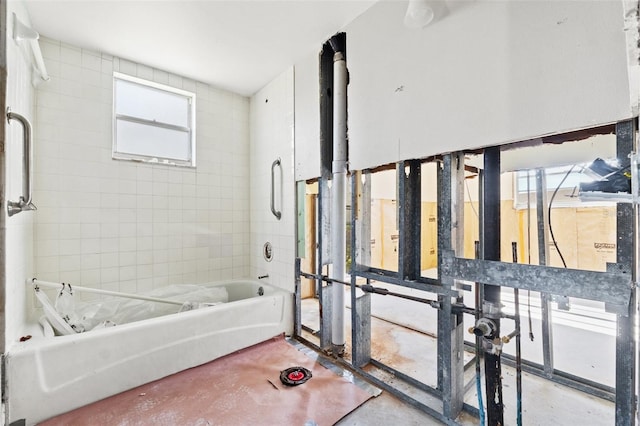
(57, 286)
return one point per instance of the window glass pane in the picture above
(555, 176)
(141, 139)
(145, 102)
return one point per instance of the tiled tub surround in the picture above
(127, 226)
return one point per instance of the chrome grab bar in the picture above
(24, 204)
(275, 212)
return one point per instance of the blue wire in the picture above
(480, 405)
(519, 410)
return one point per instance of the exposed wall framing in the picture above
(616, 286)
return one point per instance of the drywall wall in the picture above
(488, 72)
(307, 117)
(485, 73)
(272, 135)
(128, 226)
(19, 228)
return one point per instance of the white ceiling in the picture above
(237, 45)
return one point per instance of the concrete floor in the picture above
(387, 410)
(403, 337)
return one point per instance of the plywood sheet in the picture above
(509, 230)
(471, 229)
(390, 235)
(586, 237)
(376, 233)
(429, 236)
(596, 237)
(243, 388)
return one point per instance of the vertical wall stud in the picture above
(543, 259)
(491, 249)
(450, 327)
(360, 254)
(409, 215)
(297, 300)
(626, 352)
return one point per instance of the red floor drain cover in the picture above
(294, 376)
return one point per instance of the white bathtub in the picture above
(49, 376)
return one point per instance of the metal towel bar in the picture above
(24, 204)
(276, 213)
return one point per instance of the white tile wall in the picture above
(272, 136)
(19, 228)
(127, 226)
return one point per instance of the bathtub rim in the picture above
(34, 326)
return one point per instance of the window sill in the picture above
(155, 161)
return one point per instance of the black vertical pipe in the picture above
(326, 110)
(516, 302)
(491, 250)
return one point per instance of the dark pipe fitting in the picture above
(339, 43)
(484, 328)
(367, 288)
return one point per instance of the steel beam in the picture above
(326, 310)
(491, 250)
(409, 208)
(450, 327)
(626, 255)
(612, 287)
(323, 258)
(543, 259)
(444, 243)
(424, 284)
(297, 301)
(360, 247)
(361, 330)
(363, 220)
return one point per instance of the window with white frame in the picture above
(153, 122)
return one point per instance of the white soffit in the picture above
(237, 45)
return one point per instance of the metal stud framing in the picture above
(626, 253)
(616, 286)
(360, 252)
(491, 249)
(409, 219)
(543, 256)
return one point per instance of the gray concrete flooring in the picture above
(403, 337)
